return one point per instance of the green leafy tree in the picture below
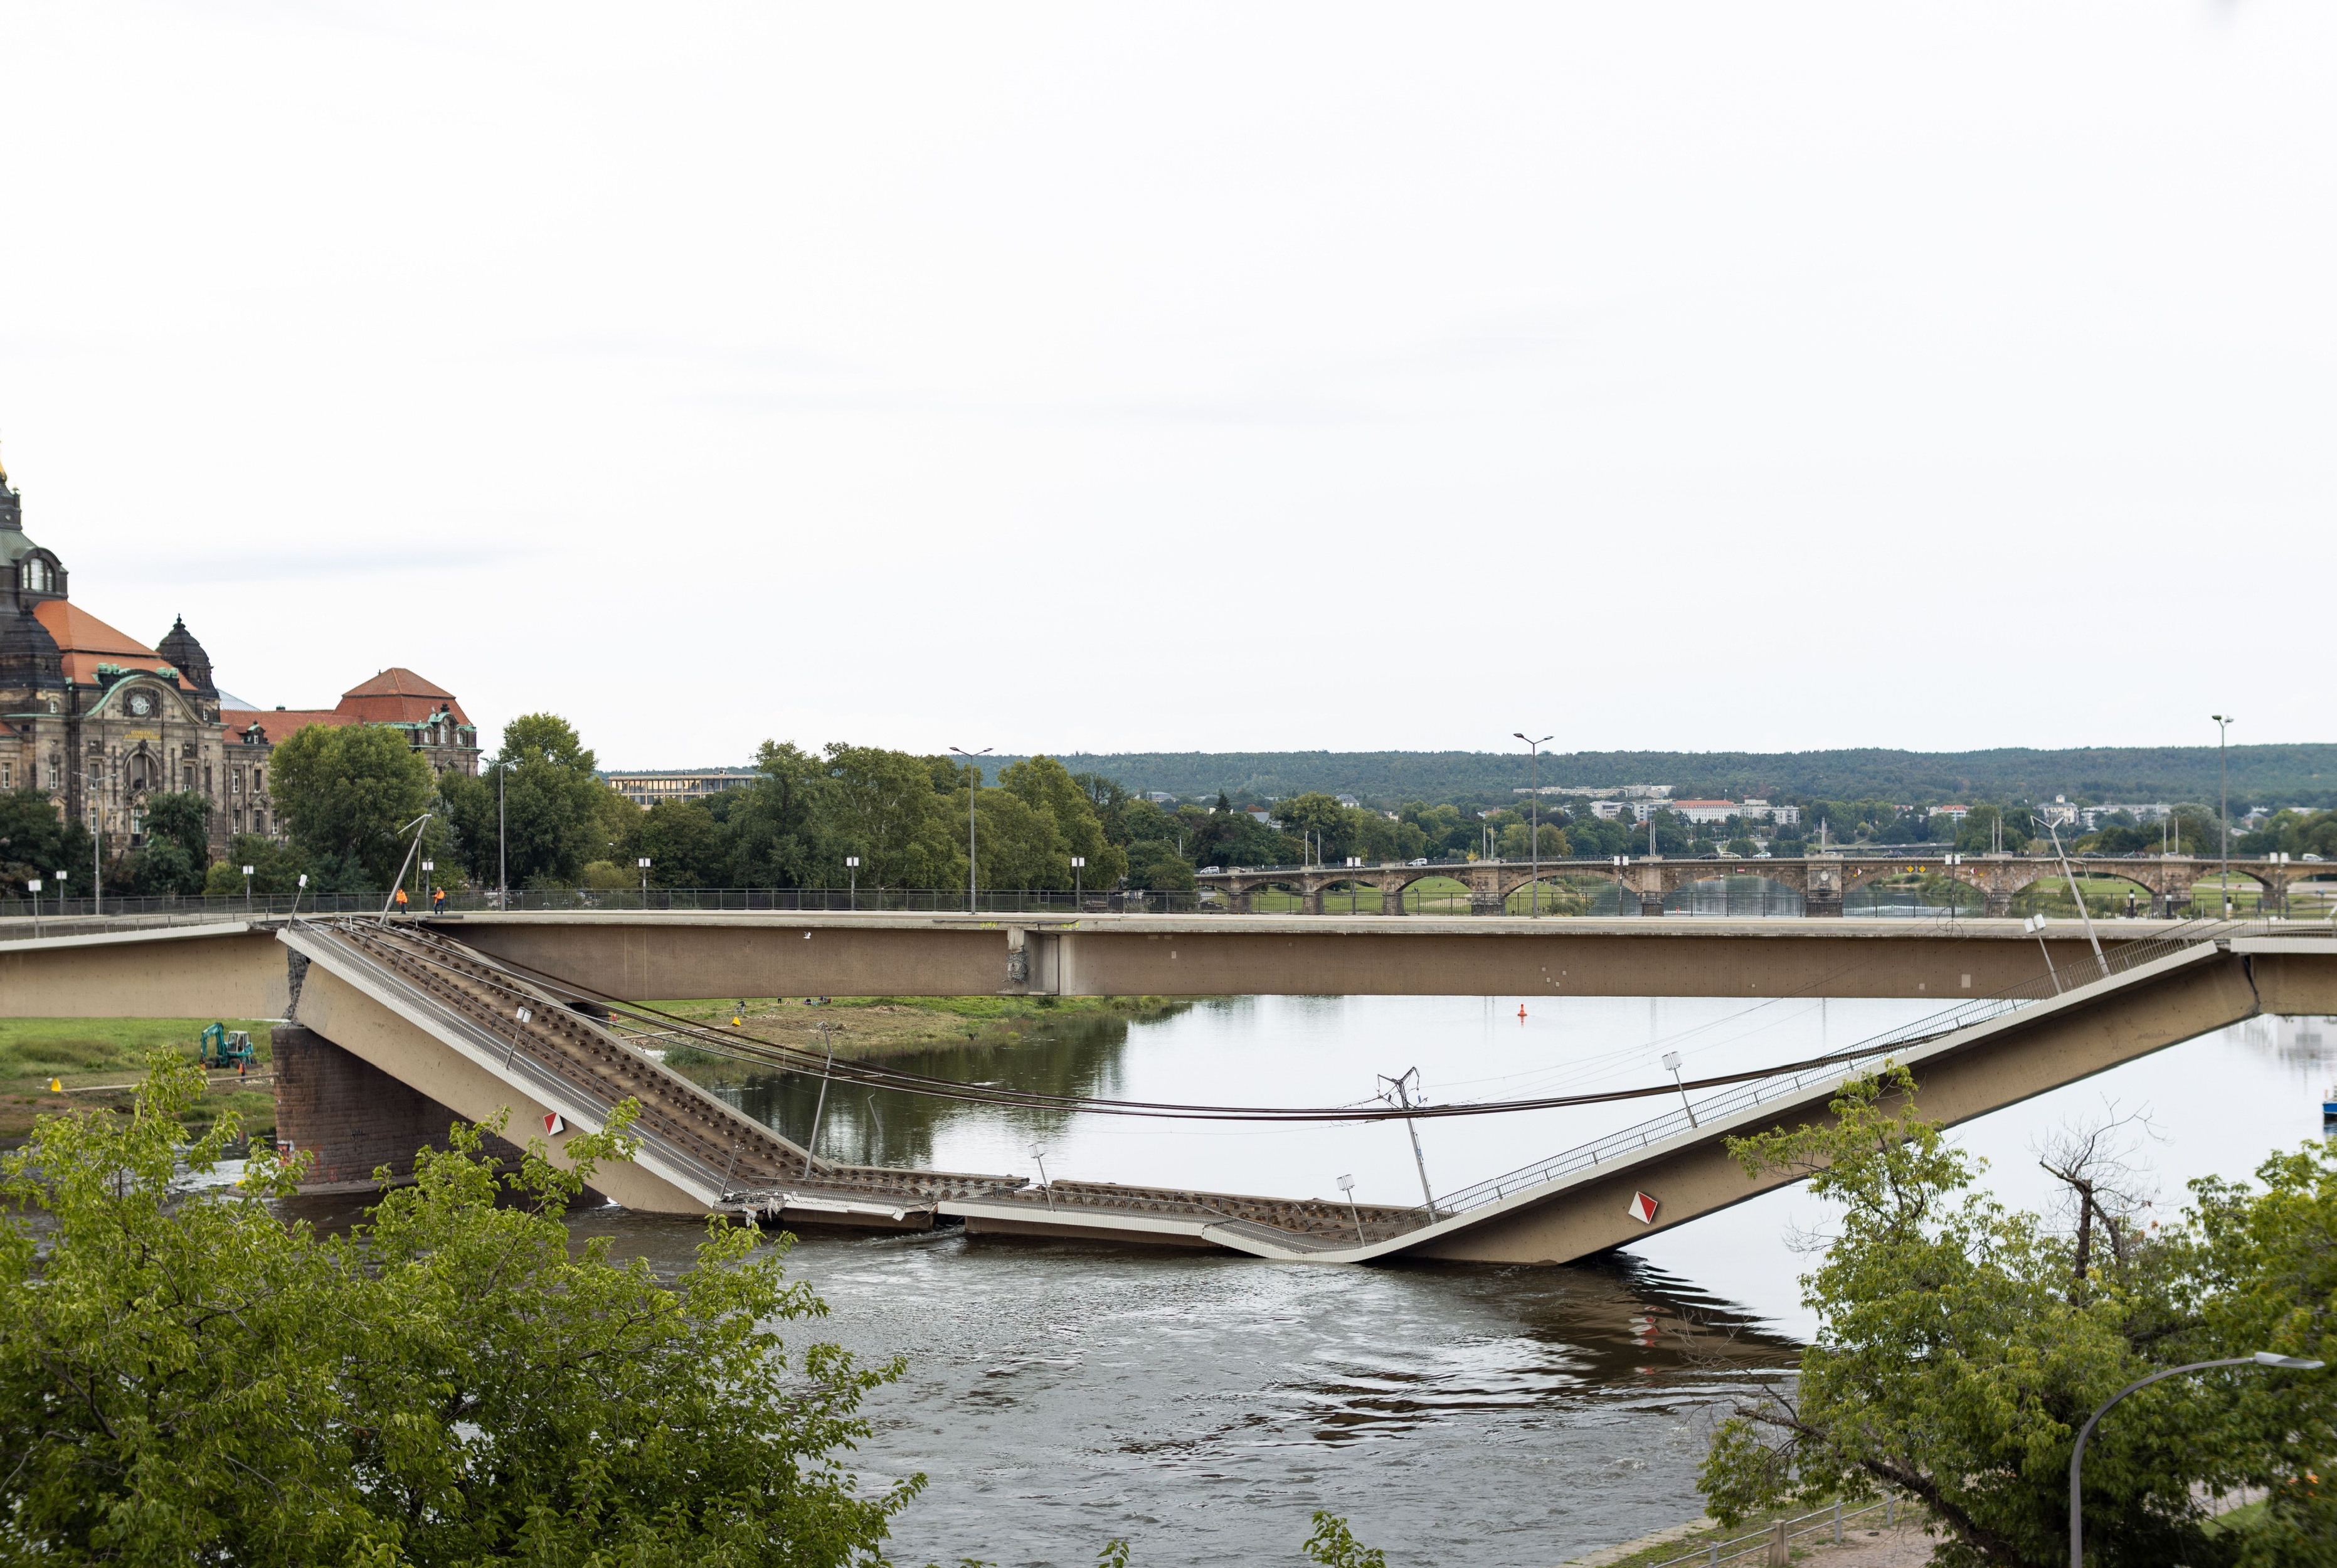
(1960, 1344)
(682, 842)
(555, 808)
(1046, 786)
(274, 867)
(1517, 842)
(771, 827)
(187, 1377)
(882, 806)
(345, 793)
(178, 848)
(37, 841)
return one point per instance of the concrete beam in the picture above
(2001, 1064)
(656, 957)
(231, 970)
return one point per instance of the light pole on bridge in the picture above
(973, 793)
(2224, 722)
(1533, 778)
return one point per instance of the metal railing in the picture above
(1863, 1057)
(1827, 1522)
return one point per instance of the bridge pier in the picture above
(1391, 898)
(2000, 903)
(1240, 901)
(349, 1117)
(1311, 900)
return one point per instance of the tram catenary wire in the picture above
(871, 1075)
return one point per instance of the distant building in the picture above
(1953, 812)
(646, 787)
(395, 699)
(1258, 814)
(1160, 797)
(2092, 817)
(1349, 802)
(1706, 810)
(2059, 811)
(1605, 792)
(1757, 810)
(1607, 810)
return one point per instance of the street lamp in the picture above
(427, 868)
(852, 869)
(60, 894)
(33, 885)
(1533, 778)
(642, 861)
(247, 890)
(1078, 863)
(2264, 1359)
(973, 793)
(1347, 1186)
(1672, 1065)
(2224, 722)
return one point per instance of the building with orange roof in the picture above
(100, 721)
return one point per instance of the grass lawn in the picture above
(97, 1059)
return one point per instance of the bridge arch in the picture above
(1730, 891)
(1588, 888)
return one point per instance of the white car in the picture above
(1421, 861)
(1210, 871)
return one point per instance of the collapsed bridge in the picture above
(477, 1037)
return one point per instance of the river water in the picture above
(1059, 1394)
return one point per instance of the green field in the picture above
(98, 1059)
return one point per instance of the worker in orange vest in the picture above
(400, 901)
(438, 901)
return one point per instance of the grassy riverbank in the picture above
(873, 1027)
(99, 1059)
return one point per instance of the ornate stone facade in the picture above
(101, 721)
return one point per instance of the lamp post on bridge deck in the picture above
(1533, 778)
(2224, 722)
(973, 793)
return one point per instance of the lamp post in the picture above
(2264, 1359)
(1672, 1065)
(1079, 864)
(1347, 1186)
(33, 885)
(247, 890)
(643, 862)
(1533, 778)
(2224, 722)
(973, 793)
(427, 868)
(60, 894)
(852, 869)
(503, 875)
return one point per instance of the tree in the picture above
(36, 841)
(554, 804)
(345, 794)
(770, 828)
(178, 848)
(185, 1377)
(1047, 786)
(882, 806)
(1961, 1345)
(682, 843)
(274, 867)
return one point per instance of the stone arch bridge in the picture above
(1821, 881)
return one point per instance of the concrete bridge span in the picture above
(235, 968)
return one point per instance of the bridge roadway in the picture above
(1643, 883)
(446, 1020)
(233, 968)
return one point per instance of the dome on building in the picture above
(187, 656)
(30, 659)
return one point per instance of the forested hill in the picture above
(2301, 775)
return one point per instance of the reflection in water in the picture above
(1077, 1055)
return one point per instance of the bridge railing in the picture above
(1866, 1056)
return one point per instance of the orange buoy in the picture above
(1522, 1012)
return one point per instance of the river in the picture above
(1203, 1406)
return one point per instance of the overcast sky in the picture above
(1195, 377)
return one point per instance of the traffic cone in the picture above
(56, 1085)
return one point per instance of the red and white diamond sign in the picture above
(554, 1125)
(1642, 1208)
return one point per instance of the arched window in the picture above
(33, 575)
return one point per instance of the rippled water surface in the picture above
(1059, 1394)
